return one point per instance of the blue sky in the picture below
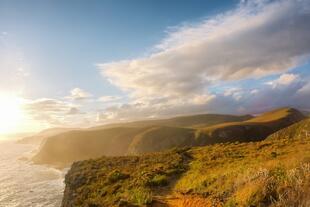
(84, 63)
(62, 40)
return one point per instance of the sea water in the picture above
(23, 184)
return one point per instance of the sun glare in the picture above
(10, 114)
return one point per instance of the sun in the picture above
(10, 114)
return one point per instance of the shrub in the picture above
(278, 173)
(274, 154)
(158, 180)
(116, 176)
(140, 196)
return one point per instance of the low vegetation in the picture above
(158, 135)
(272, 172)
(122, 180)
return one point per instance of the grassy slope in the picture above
(68, 147)
(198, 120)
(273, 172)
(75, 145)
(161, 138)
(254, 129)
(299, 130)
(132, 179)
(122, 139)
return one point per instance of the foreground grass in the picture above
(122, 181)
(254, 174)
(274, 172)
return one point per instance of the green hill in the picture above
(161, 138)
(199, 120)
(255, 129)
(63, 149)
(131, 138)
(272, 172)
(298, 130)
(120, 139)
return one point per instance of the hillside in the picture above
(272, 172)
(63, 149)
(298, 130)
(255, 129)
(161, 138)
(120, 139)
(199, 120)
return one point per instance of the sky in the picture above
(85, 63)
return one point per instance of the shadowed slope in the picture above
(254, 129)
(161, 138)
(75, 145)
(199, 120)
(298, 130)
(121, 139)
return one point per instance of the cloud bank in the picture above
(257, 39)
(252, 41)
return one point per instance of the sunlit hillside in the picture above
(273, 172)
(127, 139)
(121, 139)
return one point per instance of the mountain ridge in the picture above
(63, 149)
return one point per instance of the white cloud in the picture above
(257, 39)
(284, 79)
(236, 93)
(263, 98)
(49, 111)
(79, 94)
(254, 91)
(46, 105)
(109, 98)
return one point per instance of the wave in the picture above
(23, 184)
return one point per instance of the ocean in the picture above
(23, 184)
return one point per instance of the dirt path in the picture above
(183, 201)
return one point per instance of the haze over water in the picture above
(23, 184)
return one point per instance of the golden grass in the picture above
(274, 172)
(141, 137)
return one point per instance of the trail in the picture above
(183, 201)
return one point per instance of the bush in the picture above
(158, 180)
(274, 154)
(140, 196)
(116, 176)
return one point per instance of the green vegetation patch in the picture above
(121, 181)
(273, 172)
(267, 173)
